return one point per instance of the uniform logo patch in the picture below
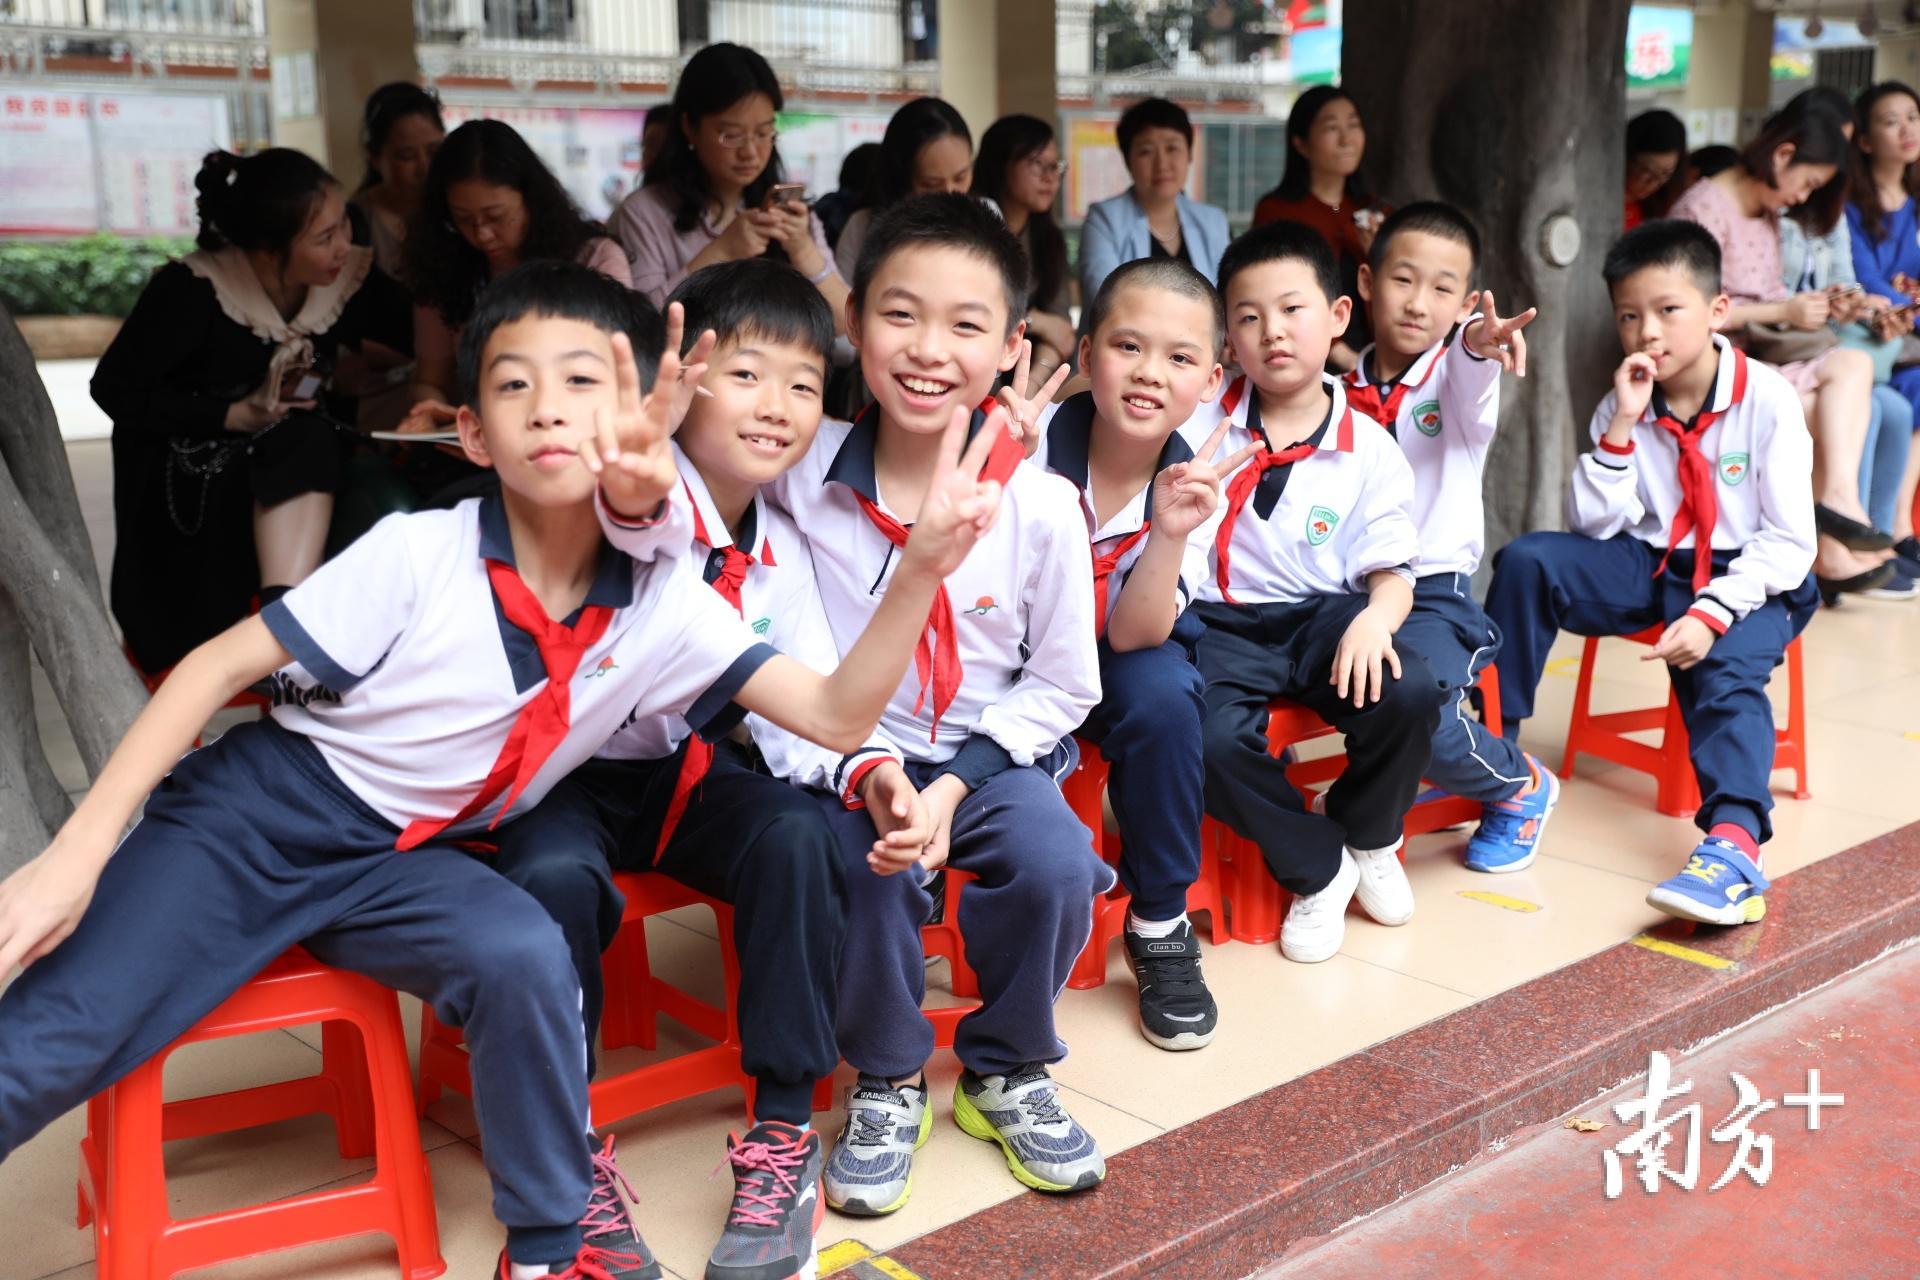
(1733, 468)
(984, 605)
(1426, 416)
(760, 625)
(606, 664)
(1320, 525)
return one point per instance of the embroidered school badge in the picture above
(1733, 468)
(761, 625)
(606, 664)
(1320, 523)
(984, 605)
(1426, 416)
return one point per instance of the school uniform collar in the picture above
(612, 586)
(1718, 401)
(1070, 447)
(1414, 375)
(1335, 431)
(852, 463)
(717, 536)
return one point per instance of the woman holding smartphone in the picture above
(224, 470)
(721, 193)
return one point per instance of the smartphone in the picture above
(299, 382)
(1844, 290)
(787, 193)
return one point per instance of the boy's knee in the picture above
(796, 850)
(1060, 875)
(1525, 558)
(527, 952)
(1221, 741)
(561, 879)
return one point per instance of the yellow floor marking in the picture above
(1911, 736)
(1563, 666)
(1679, 952)
(847, 1254)
(1500, 900)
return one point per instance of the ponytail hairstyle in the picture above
(387, 106)
(261, 201)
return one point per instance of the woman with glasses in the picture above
(1153, 218)
(489, 206)
(1656, 148)
(1019, 168)
(712, 200)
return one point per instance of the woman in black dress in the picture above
(224, 469)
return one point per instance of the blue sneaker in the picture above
(1719, 886)
(1510, 830)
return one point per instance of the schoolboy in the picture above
(1152, 354)
(423, 693)
(1311, 575)
(721, 817)
(1695, 443)
(975, 738)
(1433, 380)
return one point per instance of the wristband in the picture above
(820, 276)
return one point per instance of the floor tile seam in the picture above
(1429, 982)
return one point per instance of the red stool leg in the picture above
(134, 1195)
(1577, 726)
(1795, 735)
(1678, 793)
(1254, 899)
(345, 1064)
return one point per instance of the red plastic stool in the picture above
(1604, 734)
(942, 938)
(1085, 789)
(364, 1085)
(634, 1000)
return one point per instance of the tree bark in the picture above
(32, 451)
(32, 802)
(1514, 111)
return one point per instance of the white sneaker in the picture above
(1384, 892)
(1317, 922)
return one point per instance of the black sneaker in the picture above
(1176, 1009)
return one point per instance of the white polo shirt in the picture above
(1022, 607)
(407, 675)
(1448, 410)
(1762, 455)
(1322, 525)
(1065, 447)
(779, 602)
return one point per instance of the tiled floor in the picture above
(1279, 1019)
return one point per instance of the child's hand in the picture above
(1492, 338)
(1633, 387)
(959, 507)
(1683, 643)
(899, 818)
(942, 796)
(1186, 493)
(629, 449)
(1365, 651)
(1024, 403)
(40, 904)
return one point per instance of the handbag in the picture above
(1779, 344)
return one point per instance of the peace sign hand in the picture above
(629, 450)
(1187, 493)
(1492, 338)
(1024, 404)
(959, 507)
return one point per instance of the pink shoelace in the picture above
(606, 1213)
(760, 1206)
(593, 1264)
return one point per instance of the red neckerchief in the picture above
(543, 723)
(936, 656)
(1104, 563)
(1247, 478)
(1385, 410)
(1699, 507)
(734, 564)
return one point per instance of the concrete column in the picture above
(345, 49)
(1729, 78)
(997, 57)
(1028, 45)
(1897, 58)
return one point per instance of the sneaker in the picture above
(1045, 1147)
(1906, 553)
(592, 1264)
(1176, 1009)
(776, 1206)
(1510, 830)
(608, 1225)
(1720, 885)
(1898, 587)
(1317, 922)
(1382, 888)
(871, 1169)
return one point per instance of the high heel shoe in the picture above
(1848, 532)
(1831, 589)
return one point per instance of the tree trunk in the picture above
(32, 803)
(1514, 111)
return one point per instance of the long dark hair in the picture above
(1862, 190)
(443, 270)
(261, 201)
(387, 106)
(715, 78)
(1008, 141)
(1814, 132)
(913, 126)
(1296, 180)
(1820, 212)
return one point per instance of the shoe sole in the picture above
(1298, 956)
(1180, 1043)
(1376, 916)
(1750, 910)
(975, 1125)
(860, 1208)
(1539, 834)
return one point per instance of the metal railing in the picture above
(217, 18)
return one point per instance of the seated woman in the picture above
(224, 470)
(489, 206)
(1020, 169)
(1797, 152)
(1321, 187)
(927, 149)
(1153, 218)
(710, 199)
(1656, 149)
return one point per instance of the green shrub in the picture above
(99, 275)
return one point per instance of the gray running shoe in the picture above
(776, 1206)
(1045, 1147)
(870, 1171)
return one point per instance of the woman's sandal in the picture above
(1848, 532)
(1831, 589)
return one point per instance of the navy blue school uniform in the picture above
(394, 728)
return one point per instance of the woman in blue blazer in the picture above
(1153, 217)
